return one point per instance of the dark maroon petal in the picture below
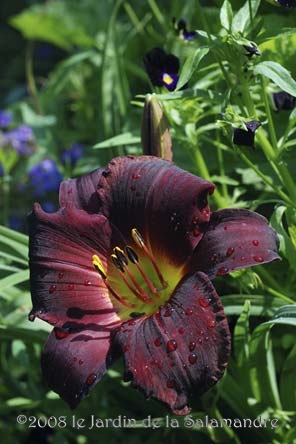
(166, 204)
(73, 363)
(65, 286)
(81, 192)
(181, 350)
(234, 239)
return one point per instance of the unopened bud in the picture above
(155, 136)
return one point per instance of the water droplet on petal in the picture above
(192, 358)
(136, 176)
(167, 313)
(70, 287)
(192, 345)
(255, 243)
(91, 379)
(171, 345)
(188, 311)
(87, 283)
(203, 302)
(170, 383)
(196, 232)
(222, 270)
(229, 251)
(158, 342)
(80, 362)
(181, 330)
(52, 288)
(211, 323)
(60, 275)
(258, 259)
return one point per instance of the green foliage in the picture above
(93, 93)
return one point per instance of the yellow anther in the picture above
(137, 238)
(99, 266)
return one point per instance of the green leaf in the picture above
(226, 15)
(242, 335)
(278, 74)
(244, 17)
(287, 381)
(190, 66)
(13, 279)
(287, 247)
(52, 23)
(121, 139)
(263, 376)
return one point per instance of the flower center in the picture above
(135, 282)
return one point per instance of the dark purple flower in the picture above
(252, 50)
(44, 177)
(246, 137)
(5, 119)
(21, 139)
(287, 3)
(124, 268)
(283, 100)
(72, 155)
(181, 29)
(162, 68)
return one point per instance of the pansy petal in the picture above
(72, 364)
(65, 285)
(235, 238)
(81, 192)
(182, 349)
(166, 204)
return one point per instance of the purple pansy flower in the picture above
(181, 29)
(246, 137)
(45, 177)
(21, 139)
(162, 68)
(283, 100)
(124, 267)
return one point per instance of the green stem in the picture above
(268, 115)
(278, 295)
(30, 76)
(222, 172)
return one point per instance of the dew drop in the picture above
(229, 251)
(170, 383)
(60, 333)
(192, 358)
(70, 287)
(192, 345)
(171, 345)
(52, 288)
(255, 243)
(222, 270)
(167, 313)
(181, 330)
(157, 342)
(242, 258)
(225, 227)
(195, 220)
(87, 283)
(157, 363)
(188, 311)
(60, 275)
(258, 259)
(196, 232)
(91, 379)
(80, 362)
(200, 341)
(211, 323)
(136, 176)
(214, 258)
(203, 302)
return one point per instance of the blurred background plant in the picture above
(73, 85)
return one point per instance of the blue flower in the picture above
(20, 139)
(45, 177)
(5, 119)
(72, 155)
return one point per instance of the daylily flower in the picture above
(246, 137)
(124, 267)
(162, 68)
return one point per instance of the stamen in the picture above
(141, 243)
(121, 263)
(100, 268)
(132, 255)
